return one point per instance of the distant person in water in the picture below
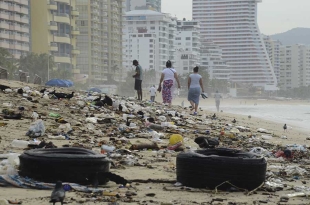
(217, 97)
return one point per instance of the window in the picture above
(188, 38)
(151, 56)
(152, 22)
(151, 51)
(185, 68)
(151, 66)
(152, 28)
(178, 38)
(151, 40)
(151, 61)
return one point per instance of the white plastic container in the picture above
(107, 149)
(20, 144)
(125, 117)
(132, 124)
(59, 137)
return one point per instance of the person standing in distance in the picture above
(138, 79)
(167, 77)
(152, 93)
(217, 97)
(194, 86)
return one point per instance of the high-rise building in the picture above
(273, 50)
(187, 44)
(232, 25)
(295, 66)
(53, 31)
(154, 5)
(211, 59)
(100, 40)
(149, 37)
(14, 26)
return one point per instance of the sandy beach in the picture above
(161, 168)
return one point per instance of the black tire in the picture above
(74, 165)
(211, 167)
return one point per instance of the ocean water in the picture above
(295, 116)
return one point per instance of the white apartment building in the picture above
(232, 25)
(295, 66)
(211, 59)
(148, 36)
(154, 5)
(14, 27)
(273, 50)
(187, 44)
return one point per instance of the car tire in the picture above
(211, 167)
(74, 165)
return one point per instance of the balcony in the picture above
(75, 31)
(4, 35)
(51, 5)
(75, 13)
(62, 38)
(53, 47)
(76, 71)
(53, 26)
(62, 58)
(62, 18)
(4, 44)
(63, 1)
(75, 51)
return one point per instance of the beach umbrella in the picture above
(57, 83)
(97, 90)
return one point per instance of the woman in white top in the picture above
(194, 85)
(167, 76)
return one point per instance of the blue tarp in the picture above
(28, 183)
(59, 83)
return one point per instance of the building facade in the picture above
(149, 37)
(232, 25)
(212, 61)
(100, 40)
(295, 66)
(53, 31)
(273, 50)
(154, 5)
(15, 27)
(187, 44)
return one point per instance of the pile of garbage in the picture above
(128, 131)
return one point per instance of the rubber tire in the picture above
(211, 167)
(74, 165)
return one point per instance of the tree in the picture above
(7, 61)
(37, 64)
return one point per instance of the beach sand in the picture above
(165, 193)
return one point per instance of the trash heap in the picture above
(138, 134)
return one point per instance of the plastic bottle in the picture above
(107, 149)
(20, 144)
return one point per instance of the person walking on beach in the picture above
(195, 87)
(167, 77)
(138, 79)
(152, 93)
(217, 97)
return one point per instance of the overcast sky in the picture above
(274, 16)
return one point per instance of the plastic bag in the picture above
(36, 129)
